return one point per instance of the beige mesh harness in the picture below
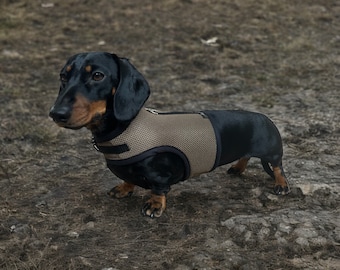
(190, 133)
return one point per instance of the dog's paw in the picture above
(155, 206)
(239, 167)
(234, 170)
(121, 191)
(280, 190)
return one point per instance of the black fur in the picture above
(131, 94)
(90, 80)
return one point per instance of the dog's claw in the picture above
(155, 206)
(279, 190)
(150, 211)
(146, 210)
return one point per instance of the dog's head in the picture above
(95, 84)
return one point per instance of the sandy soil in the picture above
(280, 58)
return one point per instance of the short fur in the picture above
(104, 93)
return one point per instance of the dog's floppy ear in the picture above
(131, 93)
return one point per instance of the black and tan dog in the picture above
(152, 149)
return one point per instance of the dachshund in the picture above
(154, 149)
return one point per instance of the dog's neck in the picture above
(108, 127)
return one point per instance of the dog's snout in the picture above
(60, 114)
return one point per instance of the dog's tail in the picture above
(267, 168)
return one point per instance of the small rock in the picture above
(263, 233)
(54, 247)
(229, 223)
(272, 197)
(306, 232)
(85, 261)
(281, 241)
(240, 228)
(73, 234)
(21, 229)
(283, 227)
(182, 267)
(47, 5)
(228, 244)
(90, 225)
(212, 243)
(123, 256)
(318, 241)
(41, 204)
(248, 235)
(11, 54)
(302, 241)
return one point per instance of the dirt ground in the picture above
(280, 58)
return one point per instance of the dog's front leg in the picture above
(155, 206)
(121, 191)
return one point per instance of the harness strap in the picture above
(113, 149)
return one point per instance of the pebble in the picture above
(263, 233)
(73, 234)
(318, 241)
(90, 224)
(283, 227)
(302, 241)
(305, 232)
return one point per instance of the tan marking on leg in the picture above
(241, 164)
(155, 206)
(281, 184)
(239, 167)
(279, 178)
(68, 68)
(121, 191)
(113, 91)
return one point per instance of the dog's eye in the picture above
(98, 76)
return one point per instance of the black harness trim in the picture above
(152, 152)
(114, 149)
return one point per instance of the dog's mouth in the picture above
(68, 126)
(88, 121)
(83, 113)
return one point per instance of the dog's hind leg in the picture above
(281, 186)
(239, 167)
(281, 183)
(267, 168)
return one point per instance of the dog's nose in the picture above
(60, 114)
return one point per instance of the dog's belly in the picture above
(157, 172)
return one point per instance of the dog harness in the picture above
(190, 135)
